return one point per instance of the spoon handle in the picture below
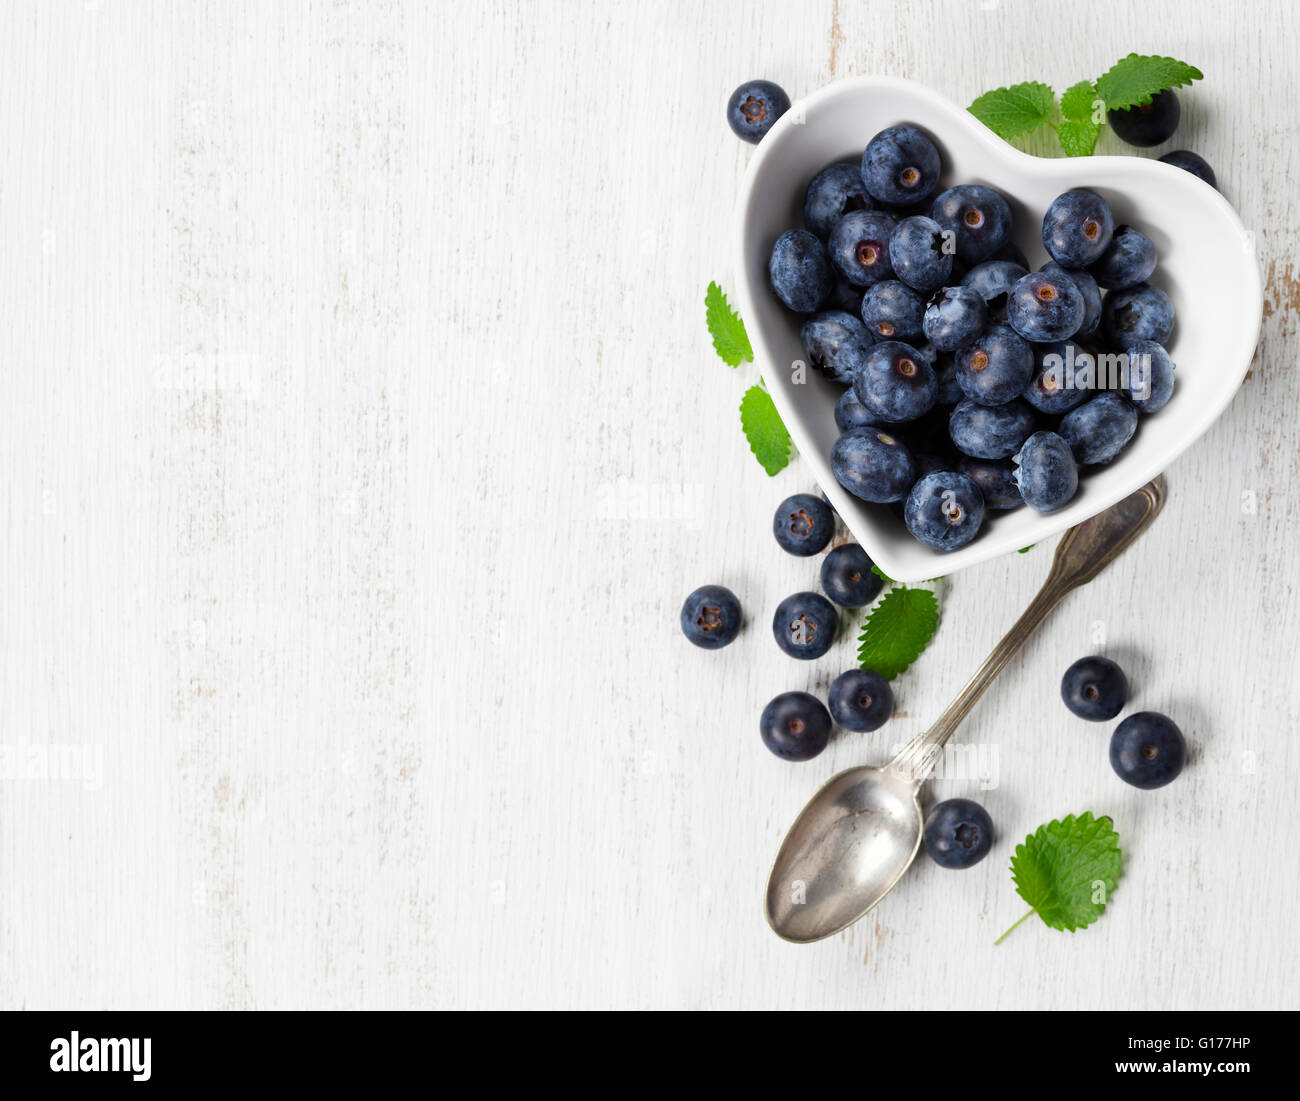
(1084, 551)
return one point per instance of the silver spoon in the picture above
(858, 835)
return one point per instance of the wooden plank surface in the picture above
(361, 437)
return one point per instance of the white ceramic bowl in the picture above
(1207, 266)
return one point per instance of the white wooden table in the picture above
(361, 437)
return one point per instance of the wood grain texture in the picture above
(362, 436)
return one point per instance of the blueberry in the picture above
(711, 617)
(995, 479)
(851, 413)
(900, 165)
(861, 700)
(836, 344)
(1143, 312)
(805, 625)
(955, 317)
(1147, 750)
(1012, 252)
(847, 576)
(977, 216)
(1046, 472)
(859, 246)
(1095, 689)
(995, 367)
(990, 431)
(1046, 306)
(1193, 163)
(1099, 429)
(1077, 227)
(1129, 259)
(896, 383)
(1150, 376)
(844, 295)
(944, 510)
(993, 280)
(919, 253)
(799, 271)
(754, 107)
(958, 833)
(795, 726)
(893, 311)
(945, 370)
(834, 192)
(1091, 296)
(873, 464)
(803, 525)
(1147, 124)
(1052, 389)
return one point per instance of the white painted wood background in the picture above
(361, 437)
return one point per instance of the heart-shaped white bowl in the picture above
(1207, 266)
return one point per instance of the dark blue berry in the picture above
(1129, 259)
(803, 525)
(1150, 376)
(795, 726)
(836, 344)
(1099, 429)
(945, 370)
(1013, 252)
(851, 413)
(1147, 124)
(919, 254)
(977, 216)
(799, 271)
(1091, 296)
(859, 246)
(990, 431)
(955, 317)
(861, 700)
(900, 165)
(958, 833)
(833, 193)
(995, 479)
(1046, 306)
(944, 510)
(893, 311)
(754, 107)
(996, 366)
(1147, 750)
(711, 617)
(805, 625)
(993, 280)
(1143, 312)
(1193, 163)
(844, 295)
(896, 383)
(847, 576)
(1050, 390)
(1095, 689)
(1046, 472)
(1077, 227)
(873, 464)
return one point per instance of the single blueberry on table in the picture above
(900, 165)
(896, 383)
(955, 317)
(996, 481)
(861, 700)
(847, 576)
(799, 271)
(833, 193)
(1046, 306)
(958, 833)
(1091, 296)
(1095, 689)
(795, 726)
(893, 311)
(1138, 313)
(1147, 124)
(993, 280)
(1191, 162)
(754, 107)
(1150, 376)
(919, 253)
(944, 510)
(990, 431)
(1046, 472)
(711, 617)
(859, 246)
(1129, 259)
(1147, 750)
(996, 366)
(1077, 227)
(1055, 387)
(873, 465)
(1099, 429)
(851, 413)
(977, 216)
(803, 525)
(805, 625)
(836, 344)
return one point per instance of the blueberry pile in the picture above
(972, 385)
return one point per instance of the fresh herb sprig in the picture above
(898, 628)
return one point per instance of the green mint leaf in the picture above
(1078, 137)
(898, 630)
(1079, 102)
(1026, 550)
(730, 340)
(1066, 870)
(1010, 112)
(881, 574)
(1133, 80)
(768, 439)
